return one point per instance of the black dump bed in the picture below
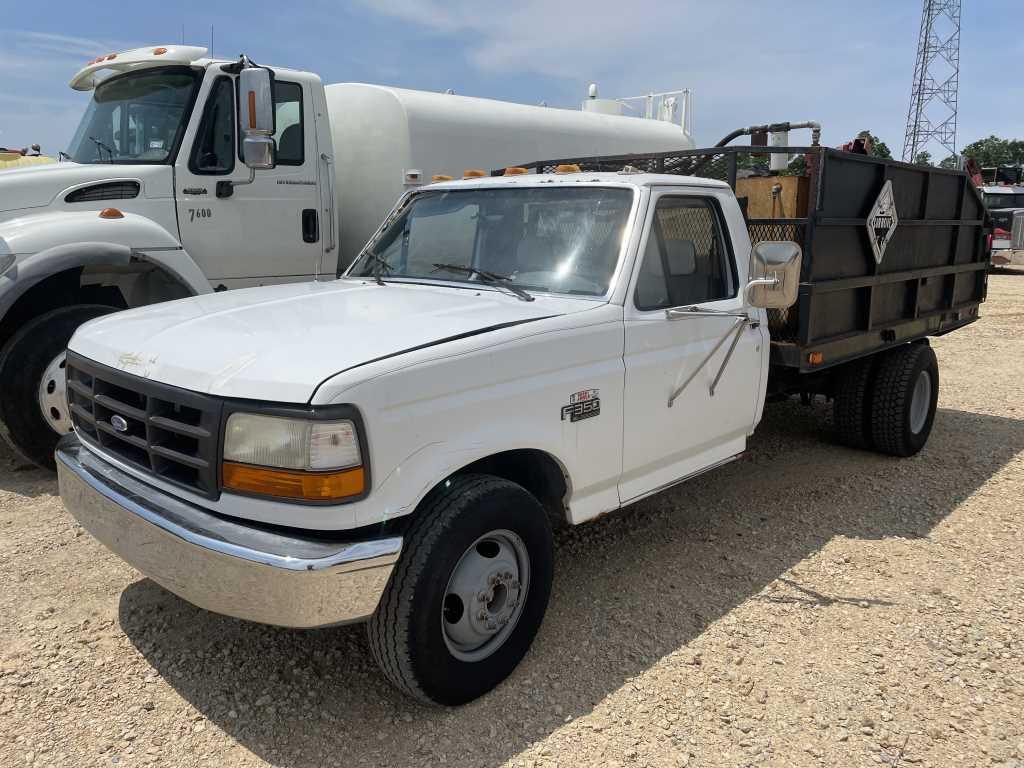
(932, 273)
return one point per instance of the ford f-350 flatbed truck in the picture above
(506, 354)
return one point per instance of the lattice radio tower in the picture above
(931, 119)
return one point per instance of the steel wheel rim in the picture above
(52, 396)
(485, 595)
(920, 402)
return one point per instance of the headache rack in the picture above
(931, 279)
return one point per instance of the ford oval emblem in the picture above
(119, 423)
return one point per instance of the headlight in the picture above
(293, 458)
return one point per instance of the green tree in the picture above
(949, 162)
(994, 151)
(923, 158)
(878, 147)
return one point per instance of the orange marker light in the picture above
(252, 110)
(440, 177)
(111, 213)
(815, 358)
(515, 171)
(111, 56)
(568, 168)
(292, 484)
(159, 51)
(473, 173)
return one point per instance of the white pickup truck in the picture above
(507, 354)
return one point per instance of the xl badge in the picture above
(582, 405)
(882, 221)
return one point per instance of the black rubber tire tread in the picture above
(894, 380)
(851, 406)
(441, 512)
(22, 361)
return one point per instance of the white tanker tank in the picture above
(388, 140)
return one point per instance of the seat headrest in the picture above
(681, 256)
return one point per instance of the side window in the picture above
(686, 260)
(214, 152)
(290, 135)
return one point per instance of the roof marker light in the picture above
(473, 173)
(515, 171)
(111, 213)
(567, 168)
(440, 177)
(159, 51)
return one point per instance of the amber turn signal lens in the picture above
(567, 168)
(440, 177)
(111, 213)
(292, 484)
(515, 171)
(815, 358)
(159, 51)
(473, 173)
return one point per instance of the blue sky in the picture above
(845, 64)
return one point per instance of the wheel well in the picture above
(91, 285)
(537, 471)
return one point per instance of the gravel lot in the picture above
(809, 605)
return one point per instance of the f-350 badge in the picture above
(584, 404)
(882, 221)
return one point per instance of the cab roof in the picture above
(603, 178)
(138, 58)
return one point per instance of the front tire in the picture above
(469, 592)
(33, 400)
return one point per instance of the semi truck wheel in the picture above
(469, 592)
(33, 399)
(851, 406)
(906, 392)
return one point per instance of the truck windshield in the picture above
(1011, 200)
(555, 239)
(136, 118)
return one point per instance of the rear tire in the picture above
(427, 640)
(851, 407)
(906, 393)
(34, 351)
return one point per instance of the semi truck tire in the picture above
(469, 592)
(851, 406)
(904, 399)
(33, 401)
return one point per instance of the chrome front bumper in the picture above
(224, 565)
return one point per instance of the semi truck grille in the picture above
(165, 431)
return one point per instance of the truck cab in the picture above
(1005, 205)
(152, 202)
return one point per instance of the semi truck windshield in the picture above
(553, 239)
(136, 118)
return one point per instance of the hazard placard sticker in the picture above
(882, 221)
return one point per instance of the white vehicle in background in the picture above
(1005, 204)
(158, 199)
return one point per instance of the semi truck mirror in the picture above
(774, 274)
(256, 108)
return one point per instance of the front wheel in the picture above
(33, 398)
(469, 592)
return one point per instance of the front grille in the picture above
(169, 432)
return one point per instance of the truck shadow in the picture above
(23, 478)
(629, 589)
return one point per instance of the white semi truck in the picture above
(157, 200)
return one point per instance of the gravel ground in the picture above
(809, 605)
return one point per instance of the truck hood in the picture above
(280, 342)
(38, 185)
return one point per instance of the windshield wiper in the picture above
(379, 263)
(100, 145)
(62, 155)
(488, 277)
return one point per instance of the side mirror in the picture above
(256, 108)
(775, 274)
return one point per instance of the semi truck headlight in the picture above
(293, 458)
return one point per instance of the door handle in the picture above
(310, 225)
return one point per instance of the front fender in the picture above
(39, 232)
